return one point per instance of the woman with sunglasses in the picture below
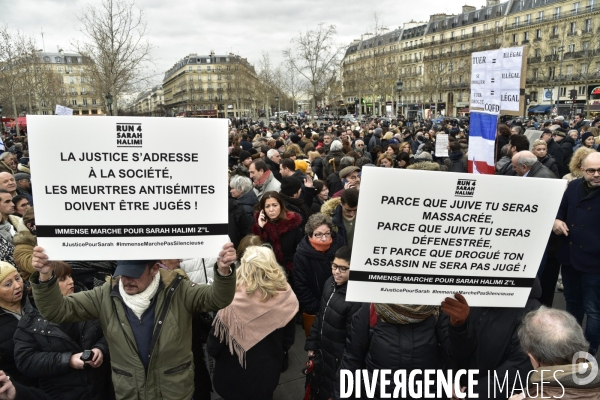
(312, 264)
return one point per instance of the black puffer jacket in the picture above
(566, 146)
(43, 350)
(238, 226)
(248, 201)
(8, 326)
(549, 162)
(329, 332)
(422, 345)
(311, 269)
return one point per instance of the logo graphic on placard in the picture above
(465, 188)
(585, 372)
(129, 134)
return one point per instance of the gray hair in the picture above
(336, 145)
(272, 152)
(516, 128)
(551, 336)
(241, 183)
(315, 221)
(346, 161)
(5, 155)
(526, 159)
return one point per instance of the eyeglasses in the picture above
(319, 235)
(592, 171)
(335, 267)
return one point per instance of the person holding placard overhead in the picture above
(146, 316)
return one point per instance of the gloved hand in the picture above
(457, 309)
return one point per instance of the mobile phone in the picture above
(86, 355)
(344, 181)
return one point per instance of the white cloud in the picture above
(243, 27)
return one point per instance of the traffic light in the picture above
(573, 94)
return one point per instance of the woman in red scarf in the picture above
(249, 337)
(278, 227)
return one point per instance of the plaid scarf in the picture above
(403, 313)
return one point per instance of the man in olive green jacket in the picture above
(152, 359)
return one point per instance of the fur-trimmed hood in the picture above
(25, 237)
(328, 208)
(425, 165)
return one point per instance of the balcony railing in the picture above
(534, 60)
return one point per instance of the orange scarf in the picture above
(319, 245)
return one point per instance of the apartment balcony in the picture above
(534, 60)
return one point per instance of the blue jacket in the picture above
(581, 212)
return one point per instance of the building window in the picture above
(573, 28)
(528, 19)
(514, 38)
(571, 48)
(536, 73)
(74, 102)
(538, 34)
(58, 60)
(557, 12)
(474, 30)
(526, 36)
(533, 96)
(555, 30)
(540, 16)
(44, 112)
(517, 20)
(563, 91)
(85, 102)
(218, 77)
(586, 45)
(551, 72)
(581, 91)
(587, 27)
(575, 8)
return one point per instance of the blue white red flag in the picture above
(482, 139)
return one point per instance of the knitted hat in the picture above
(244, 155)
(278, 144)
(294, 139)
(301, 165)
(585, 136)
(290, 185)
(5, 270)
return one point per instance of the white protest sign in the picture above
(441, 145)
(129, 188)
(61, 110)
(498, 80)
(480, 235)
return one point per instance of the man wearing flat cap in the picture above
(146, 315)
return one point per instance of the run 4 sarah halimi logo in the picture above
(129, 134)
(465, 188)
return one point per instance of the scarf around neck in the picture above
(138, 303)
(319, 245)
(6, 231)
(248, 320)
(404, 313)
(263, 179)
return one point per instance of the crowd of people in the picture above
(181, 329)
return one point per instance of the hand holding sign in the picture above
(457, 310)
(40, 263)
(227, 256)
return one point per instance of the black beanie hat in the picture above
(244, 155)
(290, 185)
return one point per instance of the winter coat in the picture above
(23, 254)
(422, 345)
(549, 162)
(274, 167)
(317, 167)
(170, 371)
(457, 162)
(8, 327)
(238, 225)
(493, 332)
(333, 208)
(540, 171)
(311, 269)
(555, 150)
(43, 350)
(334, 183)
(330, 330)
(500, 143)
(298, 205)
(331, 163)
(270, 185)
(559, 384)
(264, 361)
(581, 212)
(284, 236)
(248, 201)
(566, 146)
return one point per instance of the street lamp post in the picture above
(399, 85)
(109, 101)
(1, 123)
(278, 111)
(561, 50)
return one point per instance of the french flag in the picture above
(482, 139)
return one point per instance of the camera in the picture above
(86, 356)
